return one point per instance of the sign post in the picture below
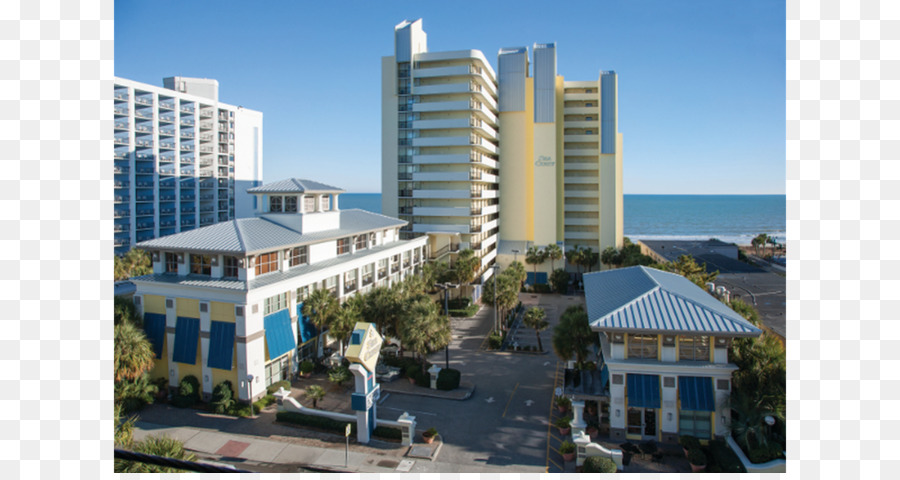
(347, 448)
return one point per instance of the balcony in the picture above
(123, 110)
(186, 159)
(144, 101)
(187, 210)
(121, 183)
(144, 183)
(120, 242)
(207, 221)
(121, 125)
(206, 125)
(168, 105)
(123, 155)
(206, 149)
(167, 210)
(167, 223)
(187, 122)
(207, 196)
(206, 114)
(169, 132)
(187, 147)
(187, 109)
(187, 134)
(145, 156)
(167, 144)
(147, 212)
(120, 140)
(166, 158)
(145, 170)
(146, 115)
(121, 169)
(122, 228)
(121, 95)
(144, 143)
(167, 119)
(187, 222)
(121, 198)
(163, 197)
(223, 116)
(120, 213)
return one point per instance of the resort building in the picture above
(560, 157)
(224, 301)
(439, 149)
(182, 159)
(664, 344)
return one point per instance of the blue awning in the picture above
(280, 339)
(187, 333)
(643, 390)
(221, 345)
(696, 393)
(155, 327)
(308, 331)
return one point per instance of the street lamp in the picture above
(250, 393)
(495, 268)
(515, 255)
(446, 288)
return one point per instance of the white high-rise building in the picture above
(439, 145)
(182, 158)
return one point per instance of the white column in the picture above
(170, 338)
(578, 423)
(206, 372)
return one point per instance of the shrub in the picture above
(339, 375)
(264, 402)
(689, 442)
(458, 303)
(448, 379)
(275, 386)
(391, 433)
(542, 288)
(240, 410)
(431, 432)
(403, 363)
(724, 457)
(423, 379)
(697, 457)
(188, 392)
(563, 422)
(566, 447)
(559, 280)
(599, 465)
(764, 454)
(413, 371)
(222, 397)
(335, 426)
(495, 340)
(307, 366)
(564, 402)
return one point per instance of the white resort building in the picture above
(224, 301)
(182, 159)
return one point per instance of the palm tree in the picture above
(422, 327)
(133, 353)
(554, 253)
(534, 318)
(535, 256)
(381, 306)
(465, 267)
(321, 307)
(314, 393)
(608, 257)
(589, 258)
(573, 335)
(134, 263)
(345, 319)
(517, 271)
(575, 256)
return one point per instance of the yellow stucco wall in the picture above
(221, 312)
(513, 181)
(560, 158)
(154, 304)
(187, 307)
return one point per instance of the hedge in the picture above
(275, 386)
(328, 424)
(599, 465)
(448, 379)
(724, 457)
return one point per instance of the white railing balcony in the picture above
(144, 115)
(440, 194)
(187, 109)
(206, 114)
(167, 105)
(121, 125)
(168, 145)
(440, 176)
(167, 132)
(187, 147)
(582, 221)
(580, 194)
(206, 125)
(120, 155)
(120, 140)
(121, 110)
(143, 101)
(576, 110)
(187, 122)
(206, 149)
(206, 137)
(143, 129)
(167, 119)
(121, 95)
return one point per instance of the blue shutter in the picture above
(308, 331)
(643, 391)
(155, 327)
(221, 345)
(696, 393)
(187, 333)
(279, 337)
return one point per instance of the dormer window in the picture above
(267, 262)
(361, 242)
(299, 256)
(231, 267)
(309, 203)
(171, 262)
(343, 246)
(325, 201)
(275, 203)
(642, 346)
(290, 204)
(693, 348)
(201, 265)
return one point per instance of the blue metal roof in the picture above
(295, 185)
(280, 339)
(646, 299)
(221, 345)
(187, 332)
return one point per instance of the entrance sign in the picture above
(365, 345)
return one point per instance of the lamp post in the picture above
(446, 288)
(515, 255)
(495, 268)
(250, 392)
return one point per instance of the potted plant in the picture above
(428, 435)
(306, 368)
(688, 443)
(697, 459)
(592, 429)
(567, 449)
(564, 425)
(590, 407)
(412, 372)
(563, 403)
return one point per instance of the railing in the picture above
(187, 122)
(207, 220)
(186, 159)
(207, 208)
(144, 143)
(144, 169)
(223, 125)
(187, 147)
(144, 183)
(395, 267)
(121, 110)
(144, 225)
(474, 228)
(222, 116)
(188, 210)
(145, 198)
(187, 222)
(207, 196)
(120, 141)
(121, 183)
(167, 105)
(206, 125)
(350, 287)
(405, 193)
(120, 169)
(475, 175)
(145, 213)
(167, 197)
(167, 223)
(120, 155)
(140, 114)
(121, 95)
(121, 125)
(121, 198)
(143, 101)
(206, 137)
(120, 214)
(206, 114)
(120, 242)
(167, 119)
(187, 109)
(206, 149)
(167, 132)
(122, 227)
(145, 156)
(187, 134)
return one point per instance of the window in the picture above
(372, 239)
(290, 204)
(343, 246)
(171, 262)
(695, 423)
(275, 303)
(201, 264)
(303, 292)
(349, 281)
(642, 346)
(275, 204)
(278, 370)
(231, 267)
(695, 348)
(299, 256)
(588, 104)
(368, 274)
(361, 242)
(324, 200)
(330, 284)
(309, 204)
(588, 118)
(267, 262)
(382, 268)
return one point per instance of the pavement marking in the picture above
(549, 461)
(408, 410)
(510, 399)
(405, 465)
(528, 403)
(489, 400)
(546, 364)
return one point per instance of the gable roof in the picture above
(646, 299)
(257, 234)
(295, 185)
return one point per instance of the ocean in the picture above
(730, 218)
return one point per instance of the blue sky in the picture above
(701, 83)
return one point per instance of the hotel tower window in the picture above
(330, 284)
(275, 204)
(290, 204)
(267, 262)
(231, 267)
(642, 346)
(299, 256)
(171, 262)
(693, 348)
(201, 264)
